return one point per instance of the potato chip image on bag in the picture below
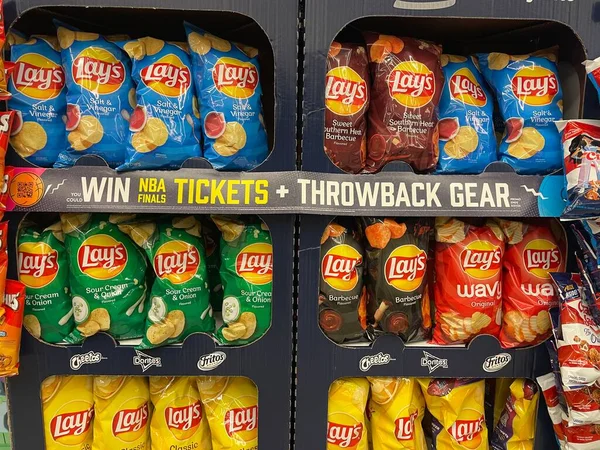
(43, 267)
(164, 130)
(227, 80)
(39, 99)
(107, 278)
(98, 78)
(346, 426)
(11, 325)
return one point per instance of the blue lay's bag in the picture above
(467, 138)
(530, 98)
(228, 87)
(100, 97)
(164, 127)
(592, 68)
(37, 85)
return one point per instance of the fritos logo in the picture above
(344, 431)
(405, 427)
(130, 424)
(242, 422)
(465, 88)
(481, 260)
(468, 431)
(97, 70)
(177, 261)
(535, 85)
(38, 264)
(235, 78)
(168, 76)
(411, 84)
(541, 257)
(255, 263)
(183, 417)
(102, 257)
(71, 425)
(345, 91)
(338, 267)
(37, 77)
(405, 268)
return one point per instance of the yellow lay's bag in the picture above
(68, 407)
(397, 408)
(457, 407)
(178, 420)
(501, 394)
(346, 427)
(122, 413)
(231, 406)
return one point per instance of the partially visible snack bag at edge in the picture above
(530, 99)
(4, 94)
(11, 325)
(468, 288)
(247, 276)
(347, 86)
(212, 238)
(516, 428)
(39, 99)
(583, 405)
(467, 137)
(548, 386)
(6, 124)
(342, 296)
(346, 424)
(3, 255)
(121, 413)
(178, 418)
(396, 408)
(583, 437)
(592, 68)
(581, 160)
(231, 407)
(179, 298)
(457, 407)
(43, 267)
(397, 253)
(107, 277)
(164, 130)
(68, 410)
(99, 88)
(227, 80)
(407, 82)
(533, 251)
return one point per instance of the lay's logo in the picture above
(481, 260)
(176, 261)
(235, 78)
(102, 257)
(344, 436)
(255, 263)
(467, 430)
(405, 427)
(338, 267)
(239, 420)
(98, 70)
(168, 76)
(465, 88)
(37, 77)
(130, 421)
(535, 85)
(183, 421)
(405, 268)
(345, 91)
(542, 257)
(411, 84)
(37, 263)
(71, 428)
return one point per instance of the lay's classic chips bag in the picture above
(39, 98)
(11, 326)
(467, 138)
(530, 98)
(164, 127)
(346, 426)
(98, 76)
(227, 79)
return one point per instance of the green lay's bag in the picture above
(211, 236)
(247, 276)
(108, 277)
(44, 270)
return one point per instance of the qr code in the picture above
(25, 189)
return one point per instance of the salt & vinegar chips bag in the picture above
(346, 426)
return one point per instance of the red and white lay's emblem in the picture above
(235, 78)
(102, 257)
(465, 88)
(37, 263)
(535, 85)
(344, 436)
(38, 77)
(481, 260)
(338, 267)
(255, 263)
(542, 257)
(176, 261)
(72, 427)
(239, 420)
(411, 84)
(168, 76)
(184, 418)
(98, 70)
(345, 91)
(467, 430)
(406, 267)
(405, 427)
(130, 421)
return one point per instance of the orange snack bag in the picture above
(346, 427)
(11, 324)
(397, 408)
(6, 121)
(3, 256)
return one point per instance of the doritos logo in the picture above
(411, 84)
(338, 267)
(238, 420)
(37, 77)
(130, 421)
(235, 78)
(405, 427)
(97, 70)
(465, 88)
(71, 428)
(168, 76)
(38, 264)
(255, 263)
(467, 430)
(541, 257)
(344, 436)
(535, 85)
(176, 261)
(345, 91)
(405, 268)
(102, 257)
(481, 260)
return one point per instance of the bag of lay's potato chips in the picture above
(346, 426)
(6, 123)
(457, 407)
(247, 275)
(212, 238)
(178, 418)
(39, 98)
(4, 94)
(164, 130)
(467, 137)
(100, 97)
(3, 255)
(122, 413)
(397, 408)
(43, 268)
(227, 79)
(68, 409)
(107, 277)
(11, 324)
(231, 407)
(180, 302)
(530, 98)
